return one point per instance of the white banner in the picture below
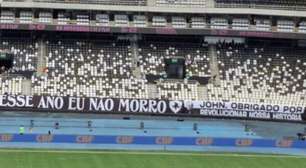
(271, 108)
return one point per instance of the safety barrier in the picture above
(153, 140)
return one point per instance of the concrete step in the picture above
(152, 91)
(212, 51)
(42, 58)
(202, 92)
(136, 72)
(26, 87)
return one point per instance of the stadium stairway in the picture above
(27, 87)
(202, 92)
(152, 91)
(41, 59)
(212, 51)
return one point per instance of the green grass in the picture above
(128, 159)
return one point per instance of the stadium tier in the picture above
(182, 53)
(100, 2)
(260, 73)
(268, 4)
(24, 51)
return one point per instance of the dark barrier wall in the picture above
(167, 31)
(152, 107)
(150, 140)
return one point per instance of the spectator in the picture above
(56, 125)
(21, 130)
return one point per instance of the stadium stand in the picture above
(10, 84)
(141, 20)
(7, 17)
(259, 73)
(302, 27)
(285, 26)
(178, 90)
(63, 18)
(262, 24)
(266, 4)
(198, 22)
(240, 24)
(218, 23)
(102, 20)
(121, 20)
(82, 68)
(153, 54)
(181, 3)
(45, 17)
(159, 21)
(24, 51)
(82, 19)
(26, 17)
(102, 2)
(179, 22)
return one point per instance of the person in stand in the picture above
(31, 125)
(21, 130)
(56, 125)
(2, 69)
(89, 125)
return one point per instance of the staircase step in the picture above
(26, 87)
(41, 60)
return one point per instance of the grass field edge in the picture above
(149, 152)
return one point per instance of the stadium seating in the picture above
(63, 18)
(268, 4)
(45, 17)
(260, 74)
(285, 26)
(263, 24)
(7, 17)
(181, 3)
(26, 17)
(10, 85)
(102, 19)
(102, 2)
(198, 22)
(219, 23)
(140, 20)
(133, 20)
(178, 90)
(107, 70)
(24, 52)
(152, 57)
(159, 21)
(82, 19)
(121, 20)
(80, 68)
(179, 22)
(240, 24)
(302, 27)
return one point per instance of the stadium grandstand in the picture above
(154, 74)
